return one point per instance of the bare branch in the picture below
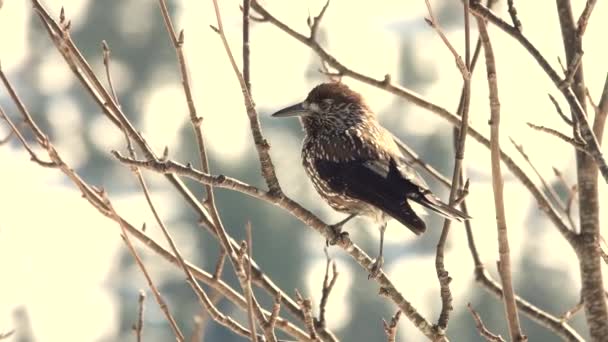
(390, 329)
(106, 63)
(196, 121)
(303, 215)
(316, 22)
(203, 298)
(247, 291)
(272, 319)
(559, 111)
(246, 52)
(549, 189)
(599, 123)
(306, 307)
(219, 266)
(513, 14)
(138, 327)
(552, 323)
(93, 196)
(33, 156)
(577, 110)
(435, 25)
(483, 331)
(504, 265)
(159, 299)
(583, 20)
(460, 136)
(577, 144)
(328, 285)
(261, 144)
(572, 69)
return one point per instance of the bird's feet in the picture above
(376, 268)
(339, 235)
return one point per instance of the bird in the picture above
(356, 166)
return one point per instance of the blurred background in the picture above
(66, 275)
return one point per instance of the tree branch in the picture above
(504, 265)
(578, 111)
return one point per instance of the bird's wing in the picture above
(399, 147)
(376, 182)
(428, 199)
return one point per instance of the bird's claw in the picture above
(376, 268)
(339, 235)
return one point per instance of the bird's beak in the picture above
(295, 110)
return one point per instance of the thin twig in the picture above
(464, 71)
(219, 266)
(247, 289)
(549, 189)
(275, 311)
(261, 144)
(513, 14)
(138, 327)
(463, 111)
(306, 307)
(106, 63)
(577, 144)
(246, 52)
(33, 156)
(572, 69)
(483, 331)
(583, 20)
(390, 329)
(328, 285)
(504, 265)
(462, 102)
(599, 123)
(572, 192)
(559, 111)
(159, 299)
(195, 119)
(316, 22)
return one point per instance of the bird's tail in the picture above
(433, 203)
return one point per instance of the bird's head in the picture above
(332, 104)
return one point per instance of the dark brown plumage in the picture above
(355, 164)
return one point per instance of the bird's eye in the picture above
(313, 107)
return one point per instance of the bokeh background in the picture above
(66, 275)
